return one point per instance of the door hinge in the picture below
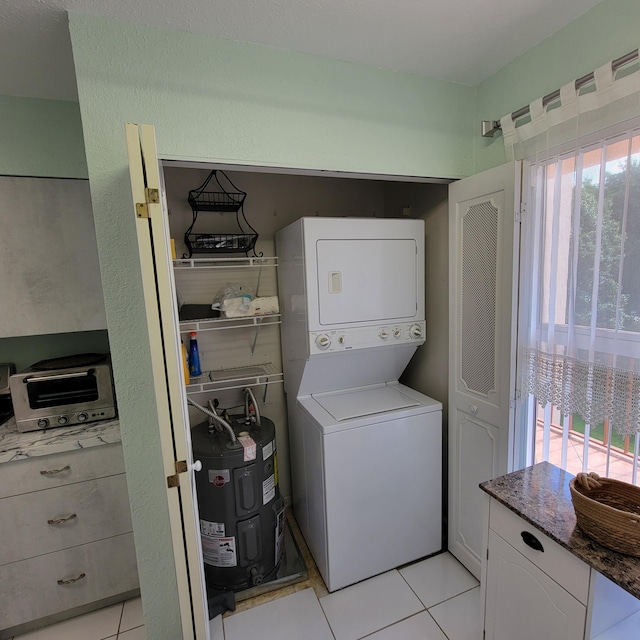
(521, 212)
(174, 480)
(152, 196)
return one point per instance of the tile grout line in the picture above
(452, 597)
(417, 613)
(325, 614)
(425, 608)
(120, 620)
(447, 600)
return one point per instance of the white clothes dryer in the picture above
(366, 451)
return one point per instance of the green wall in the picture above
(41, 138)
(224, 101)
(608, 31)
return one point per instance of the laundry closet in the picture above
(247, 352)
(250, 351)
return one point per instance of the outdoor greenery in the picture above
(597, 433)
(611, 312)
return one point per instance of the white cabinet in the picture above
(67, 536)
(49, 258)
(534, 588)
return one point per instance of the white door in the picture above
(483, 247)
(173, 420)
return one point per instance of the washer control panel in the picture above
(367, 337)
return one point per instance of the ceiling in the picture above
(462, 41)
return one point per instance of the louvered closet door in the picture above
(482, 229)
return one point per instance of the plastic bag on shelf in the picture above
(232, 297)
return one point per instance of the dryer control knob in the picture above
(323, 341)
(384, 334)
(397, 332)
(415, 331)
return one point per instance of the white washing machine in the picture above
(366, 451)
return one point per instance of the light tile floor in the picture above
(434, 599)
(122, 621)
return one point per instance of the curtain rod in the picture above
(490, 127)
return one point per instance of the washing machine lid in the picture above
(356, 403)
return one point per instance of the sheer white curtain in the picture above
(580, 340)
(579, 317)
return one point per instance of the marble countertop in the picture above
(540, 495)
(19, 446)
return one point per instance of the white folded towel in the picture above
(238, 308)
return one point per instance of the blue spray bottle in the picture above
(194, 356)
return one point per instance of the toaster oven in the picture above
(63, 391)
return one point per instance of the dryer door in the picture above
(368, 280)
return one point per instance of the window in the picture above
(579, 332)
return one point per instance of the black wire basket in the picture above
(215, 200)
(223, 200)
(222, 242)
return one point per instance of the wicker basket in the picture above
(608, 511)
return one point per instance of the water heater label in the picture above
(219, 552)
(269, 489)
(249, 447)
(267, 450)
(215, 529)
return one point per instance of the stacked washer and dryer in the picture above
(366, 451)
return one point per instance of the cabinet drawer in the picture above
(58, 469)
(30, 589)
(55, 519)
(558, 563)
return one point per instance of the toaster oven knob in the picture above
(63, 420)
(82, 417)
(43, 423)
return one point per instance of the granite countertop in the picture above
(540, 495)
(20, 446)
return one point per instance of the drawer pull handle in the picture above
(54, 472)
(62, 520)
(531, 541)
(68, 581)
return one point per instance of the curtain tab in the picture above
(568, 94)
(603, 76)
(537, 109)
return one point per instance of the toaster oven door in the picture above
(76, 389)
